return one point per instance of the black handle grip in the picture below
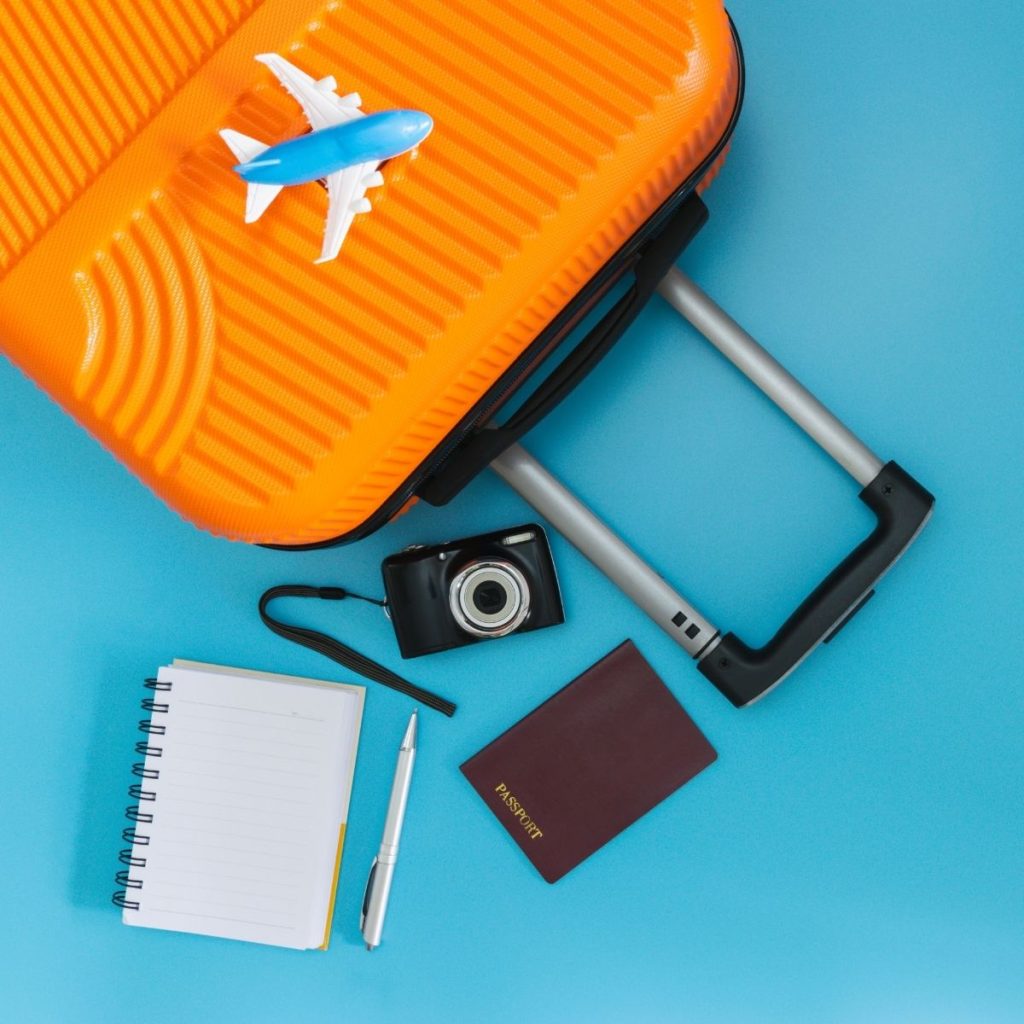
(902, 507)
(651, 264)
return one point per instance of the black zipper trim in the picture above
(550, 338)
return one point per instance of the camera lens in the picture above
(489, 599)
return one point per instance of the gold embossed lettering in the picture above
(519, 812)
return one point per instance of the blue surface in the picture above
(855, 855)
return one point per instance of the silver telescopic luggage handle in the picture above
(742, 673)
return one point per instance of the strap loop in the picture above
(344, 655)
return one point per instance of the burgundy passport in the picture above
(589, 761)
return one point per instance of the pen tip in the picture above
(409, 739)
(369, 948)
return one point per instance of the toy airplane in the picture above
(345, 149)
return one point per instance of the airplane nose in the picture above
(420, 125)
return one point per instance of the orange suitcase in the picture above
(272, 400)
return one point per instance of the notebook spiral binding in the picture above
(139, 813)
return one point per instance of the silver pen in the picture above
(378, 885)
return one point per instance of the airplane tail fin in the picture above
(257, 199)
(246, 148)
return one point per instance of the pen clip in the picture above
(366, 893)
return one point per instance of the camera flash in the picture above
(518, 538)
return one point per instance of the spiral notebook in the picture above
(242, 804)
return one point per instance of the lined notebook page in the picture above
(249, 806)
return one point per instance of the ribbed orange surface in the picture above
(78, 81)
(266, 398)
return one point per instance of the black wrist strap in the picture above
(339, 652)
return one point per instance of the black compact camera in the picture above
(458, 593)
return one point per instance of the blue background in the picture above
(855, 855)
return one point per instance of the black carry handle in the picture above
(651, 263)
(902, 507)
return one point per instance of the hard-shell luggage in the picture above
(272, 400)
